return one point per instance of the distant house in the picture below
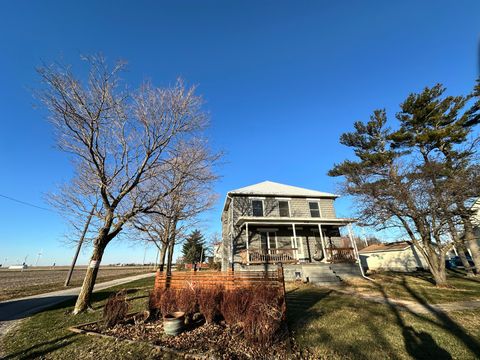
(272, 223)
(18, 267)
(395, 256)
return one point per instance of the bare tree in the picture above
(168, 222)
(122, 142)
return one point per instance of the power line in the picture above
(25, 203)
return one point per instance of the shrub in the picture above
(186, 300)
(154, 301)
(235, 304)
(209, 300)
(265, 315)
(167, 302)
(115, 309)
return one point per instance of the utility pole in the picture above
(80, 242)
(38, 257)
(201, 258)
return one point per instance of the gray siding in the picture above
(234, 237)
(327, 209)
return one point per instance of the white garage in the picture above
(396, 256)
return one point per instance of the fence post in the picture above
(281, 276)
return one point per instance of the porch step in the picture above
(320, 275)
(346, 270)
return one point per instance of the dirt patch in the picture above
(17, 283)
(199, 341)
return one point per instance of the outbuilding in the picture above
(395, 256)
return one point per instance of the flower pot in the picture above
(174, 323)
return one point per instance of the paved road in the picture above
(16, 309)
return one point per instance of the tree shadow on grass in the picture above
(445, 322)
(39, 350)
(371, 339)
(314, 305)
(418, 344)
(421, 345)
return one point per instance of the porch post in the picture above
(354, 244)
(322, 241)
(295, 240)
(246, 243)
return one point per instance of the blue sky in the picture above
(281, 79)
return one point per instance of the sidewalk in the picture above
(15, 309)
(413, 306)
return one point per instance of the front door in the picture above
(297, 243)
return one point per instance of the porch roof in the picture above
(268, 220)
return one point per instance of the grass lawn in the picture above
(325, 325)
(419, 286)
(329, 325)
(45, 335)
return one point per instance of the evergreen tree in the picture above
(192, 247)
(419, 177)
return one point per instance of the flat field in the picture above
(17, 283)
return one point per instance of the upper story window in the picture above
(257, 207)
(314, 209)
(284, 208)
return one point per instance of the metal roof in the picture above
(276, 189)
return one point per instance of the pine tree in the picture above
(419, 177)
(192, 247)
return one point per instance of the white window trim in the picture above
(319, 207)
(263, 205)
(289, 208)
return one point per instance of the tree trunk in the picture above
(461, 249)
(439, 276)
(163, 253)
(436, 263)
(83, 300)
(472, 243)
(170, 256)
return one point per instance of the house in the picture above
(270, 223)
(395, 256)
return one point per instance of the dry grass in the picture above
(17, 283)
(330, 325)
(418, 286)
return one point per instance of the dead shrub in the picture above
(162, 301)
(186, 300)
(154, 301)
(115, 309)
(235, 304)
(209, 300)
(167, 302)
(264, 315)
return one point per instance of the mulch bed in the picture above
(200, 341)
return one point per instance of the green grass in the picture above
(419, 286)
(325, 324)
(330, 325)
(45, 335)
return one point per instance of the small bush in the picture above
(209, 300)
(167, 302)
(115, 309)
(265, 315)
(235, 304)
(154, 301)
(186, 300)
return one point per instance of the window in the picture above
(257, 207)
(314, 209)
(284, 208)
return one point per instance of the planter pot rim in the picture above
(174, 315)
